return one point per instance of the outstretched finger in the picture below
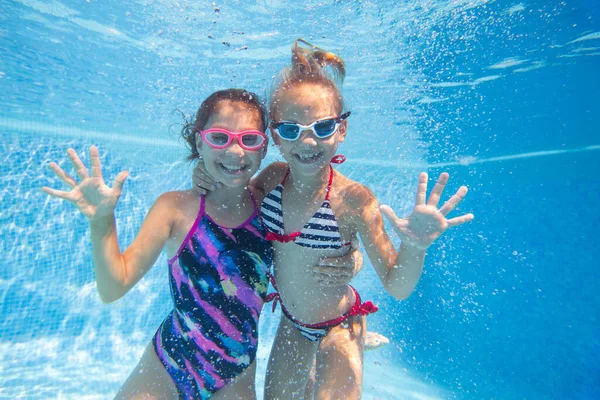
(202, 178)
(57, 193)
(454, 200)
(331, 271)
(399, 224)
(438, 189)
(95, 161)
(80, 169)
(332, 281)
(460, 220)
(421, 189)
(200, 166)
(391, 216)
(345, 261)
(120, 180)
(66, 178)
(203, 181)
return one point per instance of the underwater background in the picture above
(504, 95)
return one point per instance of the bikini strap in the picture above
(192, 230)
(274, 296)
(202, 209)
(360, 308)
(282, 238)
(285, 177)
(329, 183)
(339, 159)
(253, 201)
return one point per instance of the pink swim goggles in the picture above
(219, 138)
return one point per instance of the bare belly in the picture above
(300, 292)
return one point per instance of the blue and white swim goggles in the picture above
(322, 128)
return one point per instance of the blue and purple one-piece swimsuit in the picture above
(219, 280)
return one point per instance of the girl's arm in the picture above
(269, 177)
(116, 272)
(400, 271)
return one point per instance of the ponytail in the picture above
(312, 65)
(313, 61)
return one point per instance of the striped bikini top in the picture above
(320, 232)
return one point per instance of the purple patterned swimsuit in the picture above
(219, 280)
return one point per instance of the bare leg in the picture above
(148, 381)
(290, 362)
(242, 386)
(340, 361)
(309, 390)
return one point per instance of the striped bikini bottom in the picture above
(315, 332)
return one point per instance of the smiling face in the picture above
(304, 104)
(232, 166)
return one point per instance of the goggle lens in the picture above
(252, 140)
(217, 138)
(289, 131)
(325, 128)
(221, 138)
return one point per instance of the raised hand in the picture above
(426, 222)
(91, 195)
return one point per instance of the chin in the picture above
(236, 182)
(312, 171)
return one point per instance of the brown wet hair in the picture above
(211, 105)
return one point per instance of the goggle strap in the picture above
(343, 116)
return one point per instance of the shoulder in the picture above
(357, 198)
(176, 207)
(176, 199)
(357, 203)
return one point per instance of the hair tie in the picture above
(338, 159)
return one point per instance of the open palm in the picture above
(426, 222)
(91, 195)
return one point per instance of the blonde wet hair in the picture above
(310, 65)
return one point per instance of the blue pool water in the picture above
(504, 95)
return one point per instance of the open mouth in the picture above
(309, 158)
(234, 169)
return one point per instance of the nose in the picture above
(307, 137)
(236, 149)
